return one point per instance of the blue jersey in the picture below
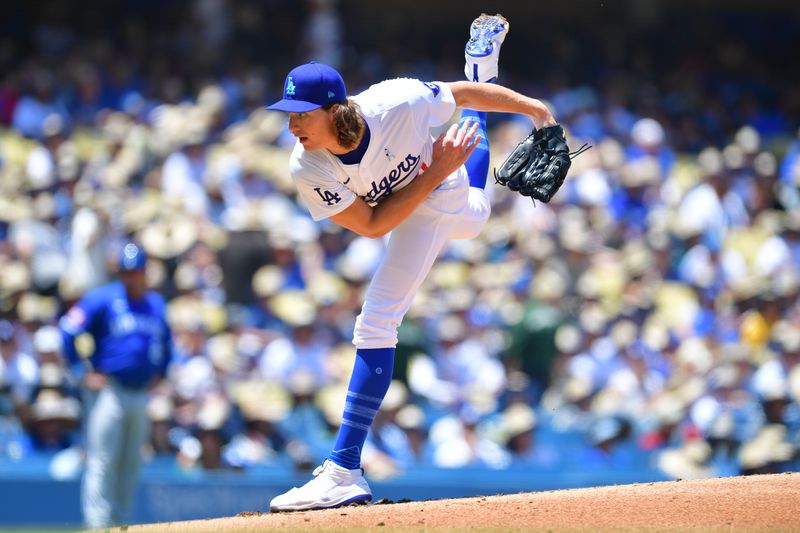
(132, 339)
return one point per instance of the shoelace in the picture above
(321, 468)
(586, 147)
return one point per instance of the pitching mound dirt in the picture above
(758, 503)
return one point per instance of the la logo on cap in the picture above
(289, 87)
(331, 94)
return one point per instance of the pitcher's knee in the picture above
(374, 332)
(473, 220)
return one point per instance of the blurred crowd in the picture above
(647, 319)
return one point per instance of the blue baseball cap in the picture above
(132, 257)
(309, 87)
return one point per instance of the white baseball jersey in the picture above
(399, 114)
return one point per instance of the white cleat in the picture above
(332, 486)
(482, 51)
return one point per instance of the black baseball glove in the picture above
(538, 165)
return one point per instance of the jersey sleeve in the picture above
(432, 102)
(323, 195)
(81, 319)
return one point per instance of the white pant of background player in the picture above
(117, 427)
(453, 211)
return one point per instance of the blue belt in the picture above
(128, 385)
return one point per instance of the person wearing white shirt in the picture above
(370, 164)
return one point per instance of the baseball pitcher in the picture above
(370, 164)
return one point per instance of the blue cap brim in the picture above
(293, 106)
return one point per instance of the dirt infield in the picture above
(758, 503)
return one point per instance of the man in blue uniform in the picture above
(117, 336)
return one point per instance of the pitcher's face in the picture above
(314, 129)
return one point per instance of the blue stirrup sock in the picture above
(478, 163)
(372, 374)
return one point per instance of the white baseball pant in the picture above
(453, 211)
